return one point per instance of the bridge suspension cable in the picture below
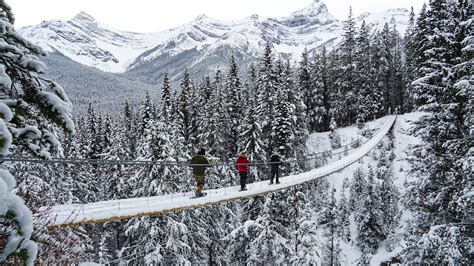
(166, 162)
(118, 209)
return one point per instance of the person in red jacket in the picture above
(242, 165)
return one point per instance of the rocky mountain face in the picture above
(89, 42)
(201, 45)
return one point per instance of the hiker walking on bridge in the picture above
(199, 164)
(275, 162)
(242, 165)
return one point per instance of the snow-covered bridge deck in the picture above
(97, 212)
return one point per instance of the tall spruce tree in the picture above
(319, 109)
(184, 107)
(282, 133)
(365, 101)
(438, 197)
(251, 137)
(233, 87)
(166, 103)
(368, 217)
(32, 110)
(266, 90)
(304, 82)
(213, 134)
(409, 62)
(330, 216)
(305, 236)
(344, 108)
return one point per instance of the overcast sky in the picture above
(156, 15)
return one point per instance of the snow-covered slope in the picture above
(196, 43)
(401, 138)
(89, 42)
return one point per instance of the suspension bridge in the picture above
(71, 215)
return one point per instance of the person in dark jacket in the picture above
(242, 165)
(275, 162)
(198, 163)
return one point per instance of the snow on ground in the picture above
(319, 142)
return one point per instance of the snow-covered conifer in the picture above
(31, 110)
(331, 254)
(369, 216)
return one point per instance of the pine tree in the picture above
(183, 108)
(147, 237)
(270, 237)
(385, 64)
(220, 217)
(343, 208)
(233, 87)
(213, 129)
(92, 148)
(129, 121)
(438, 197)
(305, 237)
(148, 233)
(409, 62)
(146, 114)
(366, 103)
(389, 196)
(334, 136)
(177, 248)
(345, 113)
(358, 185)
(368, 217)
(319, 116)
(420, 39)
(117, 185)
(165, 103)
(304, 82)
(38, 107)
(251, 137)
(331, 218)
(282, 132)
(197, 242)
(397, 92)
(266, 90)
(201, 110)
(299, 115)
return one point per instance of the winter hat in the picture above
(202, 151)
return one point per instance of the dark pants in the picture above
(243, 180)
(274, 173)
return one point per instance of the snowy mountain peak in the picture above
(317, 7)
(201, 17)
(203, 42)
(84, 18)
(254, 17)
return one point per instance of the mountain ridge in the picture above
(89, 42)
